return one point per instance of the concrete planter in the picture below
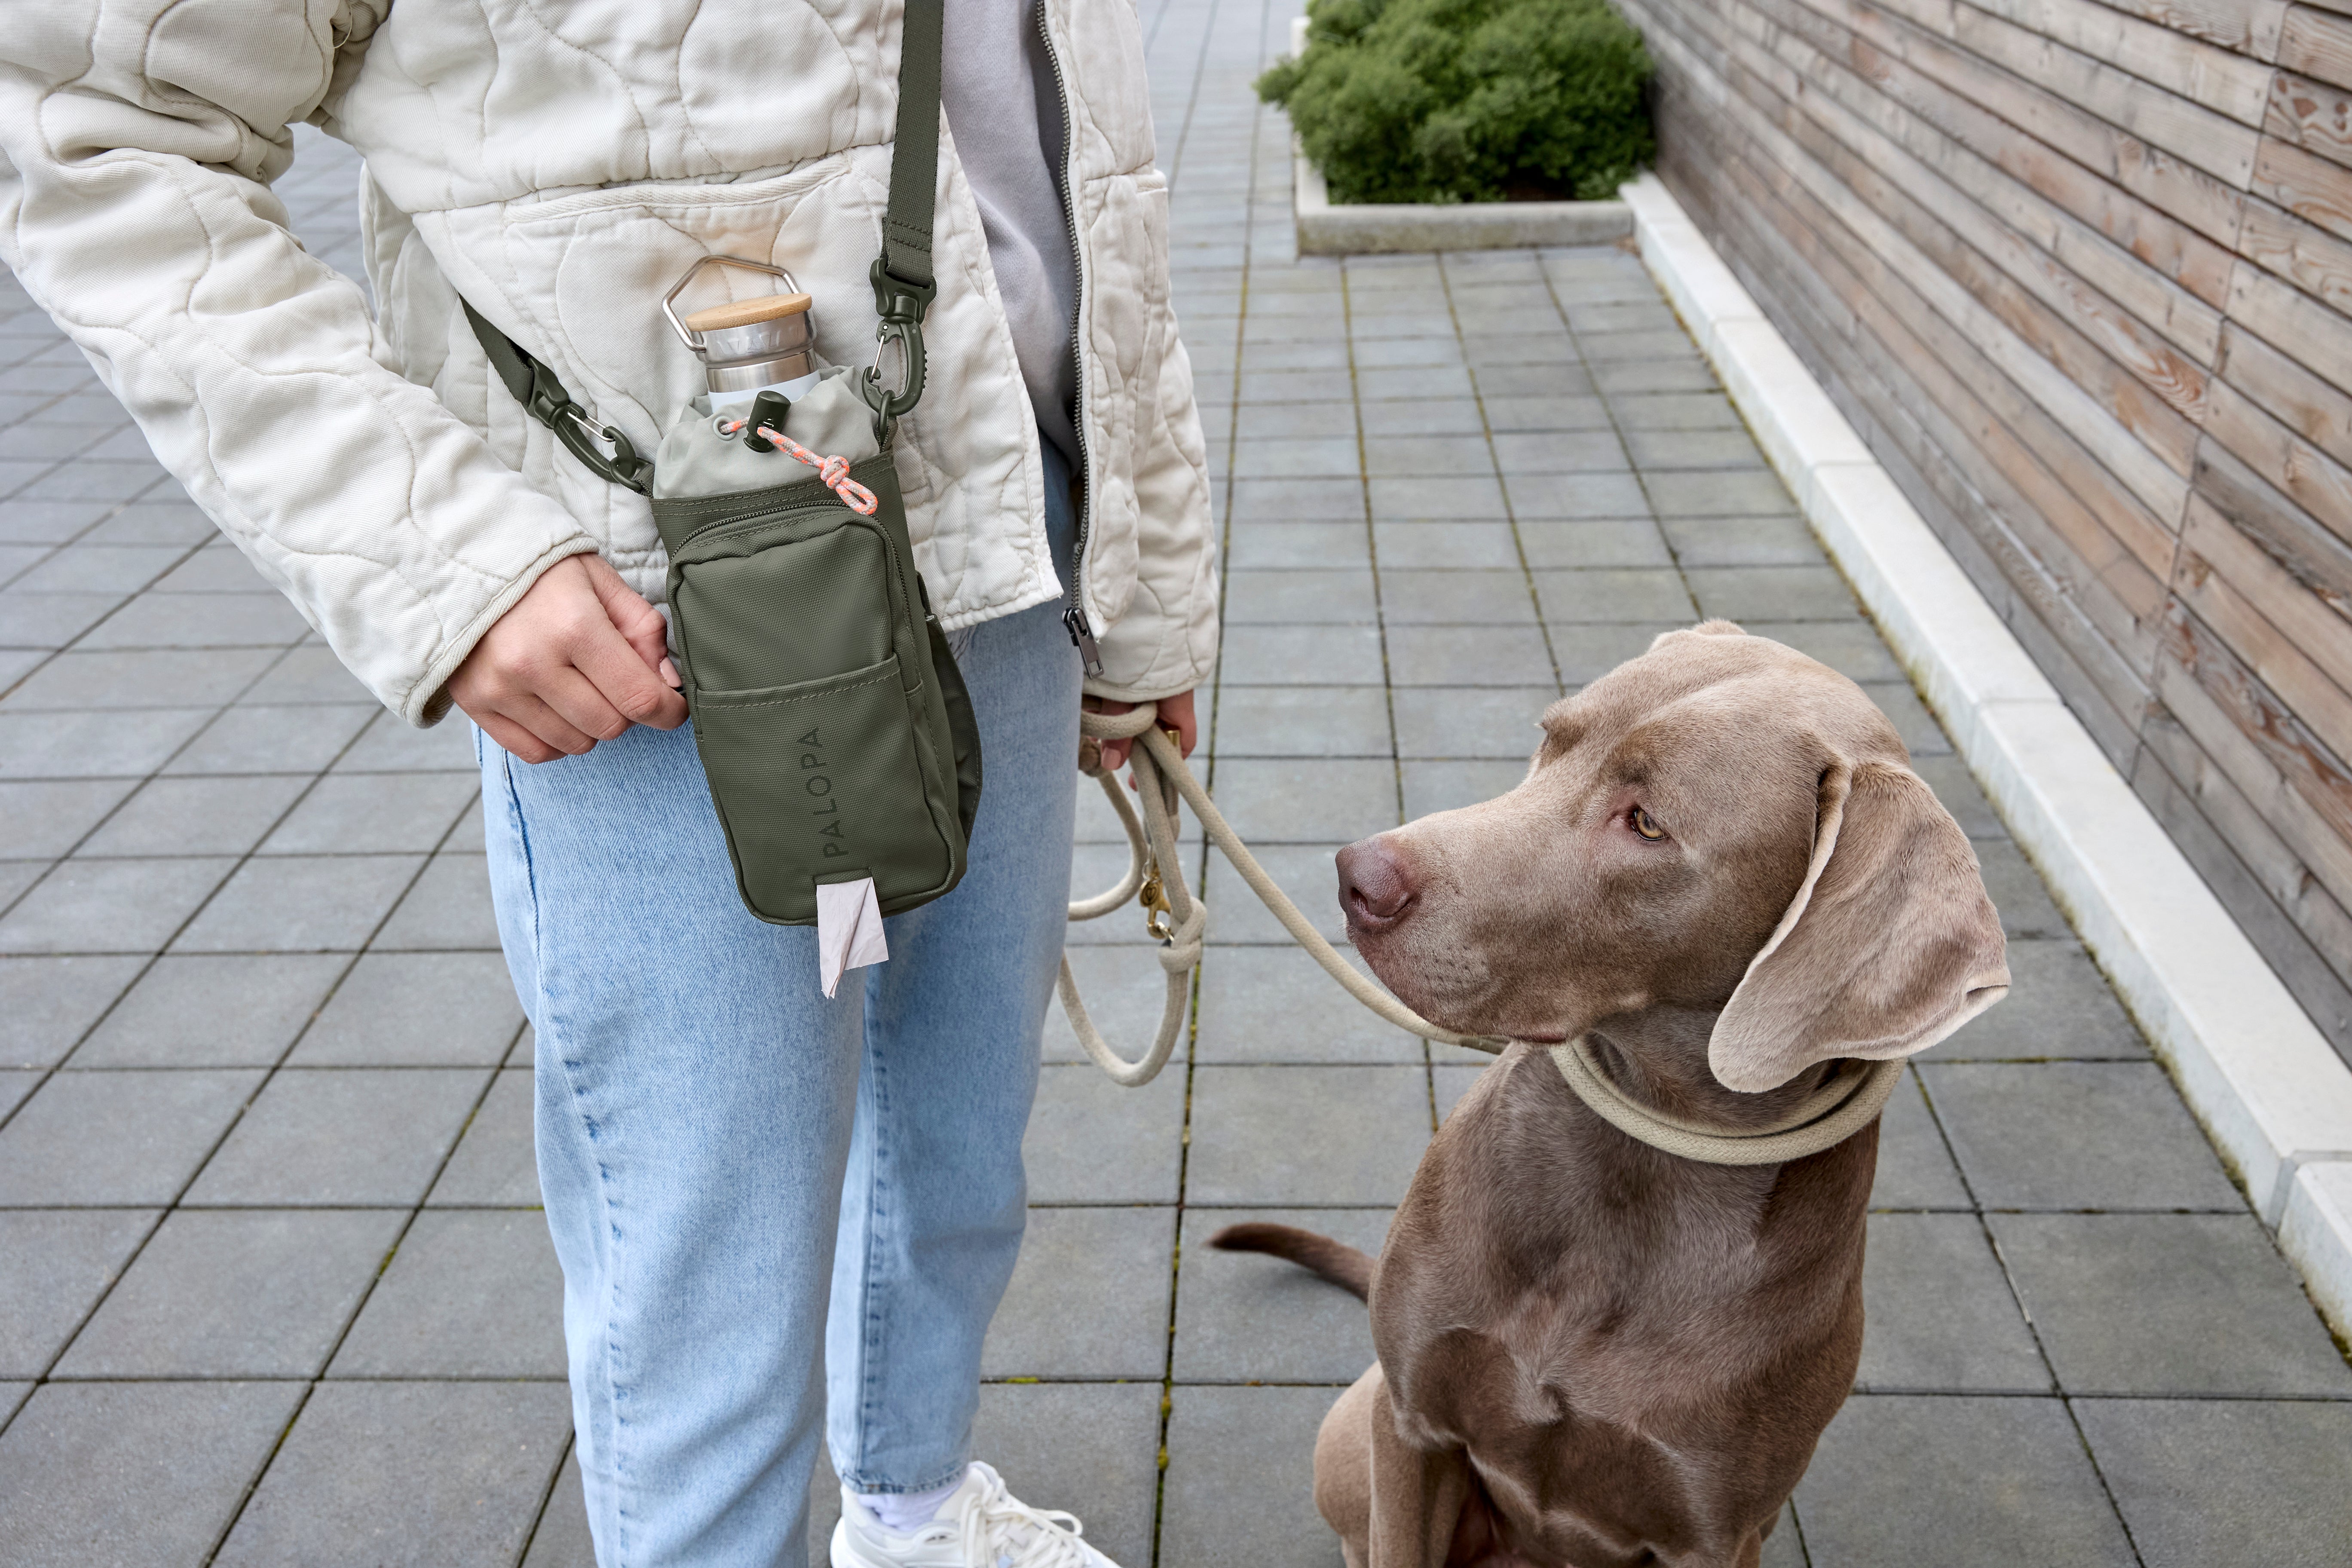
(1369, 228)
(1365, 228)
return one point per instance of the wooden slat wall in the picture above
(2081, 273)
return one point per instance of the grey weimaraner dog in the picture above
(1720, 872)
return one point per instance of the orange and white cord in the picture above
(833, 471)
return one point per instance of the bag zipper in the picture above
(1073, 613)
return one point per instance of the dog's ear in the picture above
(1889, 945)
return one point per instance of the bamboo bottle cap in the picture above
(747, 312)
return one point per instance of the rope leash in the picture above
(1846, 1102)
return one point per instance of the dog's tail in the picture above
(1344, 1266)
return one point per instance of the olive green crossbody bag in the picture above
(832, 723)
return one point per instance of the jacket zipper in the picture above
(1073, 613)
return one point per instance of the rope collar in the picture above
(1847, 1101)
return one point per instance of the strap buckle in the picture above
(901, 305)
(580, 435)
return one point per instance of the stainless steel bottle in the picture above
(749, 346)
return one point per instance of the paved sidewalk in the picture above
(273, 1287)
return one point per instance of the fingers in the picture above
(514, 739)
(625, 681)
(644, 629)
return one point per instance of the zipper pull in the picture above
(1082, 637)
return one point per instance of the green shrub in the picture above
(1475, 100)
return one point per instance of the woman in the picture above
(746, 1183)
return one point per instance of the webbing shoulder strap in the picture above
(537, 389)
(903, 285)
(903, 280)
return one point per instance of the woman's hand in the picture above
(579, 659)
(1175, 713)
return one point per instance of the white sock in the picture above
(902, 1513)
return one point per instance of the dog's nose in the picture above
(1375, 888)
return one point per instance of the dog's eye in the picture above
(1644, 823)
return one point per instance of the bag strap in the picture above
(537, 389)
(903, 285)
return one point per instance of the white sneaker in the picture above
(981, 1525)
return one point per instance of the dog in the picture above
(1722, 875)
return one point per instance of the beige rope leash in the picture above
(1845, 1103)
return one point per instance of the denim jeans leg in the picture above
(695, 1097)
(935, 1198)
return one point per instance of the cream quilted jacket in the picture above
(559, 164)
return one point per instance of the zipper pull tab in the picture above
(1082, 636)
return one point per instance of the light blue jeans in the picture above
(748, 1183)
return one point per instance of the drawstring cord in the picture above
(833, 471)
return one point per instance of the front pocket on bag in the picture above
(817, 780)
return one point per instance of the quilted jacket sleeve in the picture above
(139, 140)
(1167, 640)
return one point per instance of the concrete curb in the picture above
(1386, 228)
(2272, 1094)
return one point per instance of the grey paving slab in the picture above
(15, 1086)
(2016, 890)
(1080, 1303)
(1339, 498)
(1247, 1318)
(1302, 721)
(417, 1009)
(1957, 1482)
(1446, 785)
(1240, 1490)
(1455, 597)
(1091, 1449)
(116, 1137)
(2212, 1482)
(392, 745)
(2058, 1005)
(160, 679)
(447, 910)
(1281, 800)
(309, 903)
(340, 1136)
(470, 1293)
(1305, 1135)
(1941, 1314)
(1276, 1005)
(561, 1539)
(1091, 1141)
(1553, 543)
(363, 814)
(1675, 411)
(1735, 542)
(200, 620)
(1851, 648)
(132, 1472)
(1587, 652)
(307, 674)
(213, 1010)
(52, 620)
(1916, 1170)
(1771, 593)
(110, 906)
(250, 1293)
(47, 1004)
(406, 1475)
(1469, 721)
(1302, 544)
(494, 1166)
(1949, 777)
(1301, 655)
(1305, 871)
(2076, 1135)
(1609, 493)
(1469, 656)
(55, 1264)
(1909, 715)
(2167, 1304)
(1303, 596)
(273, 738)
(1445, 545)
(197, 816)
